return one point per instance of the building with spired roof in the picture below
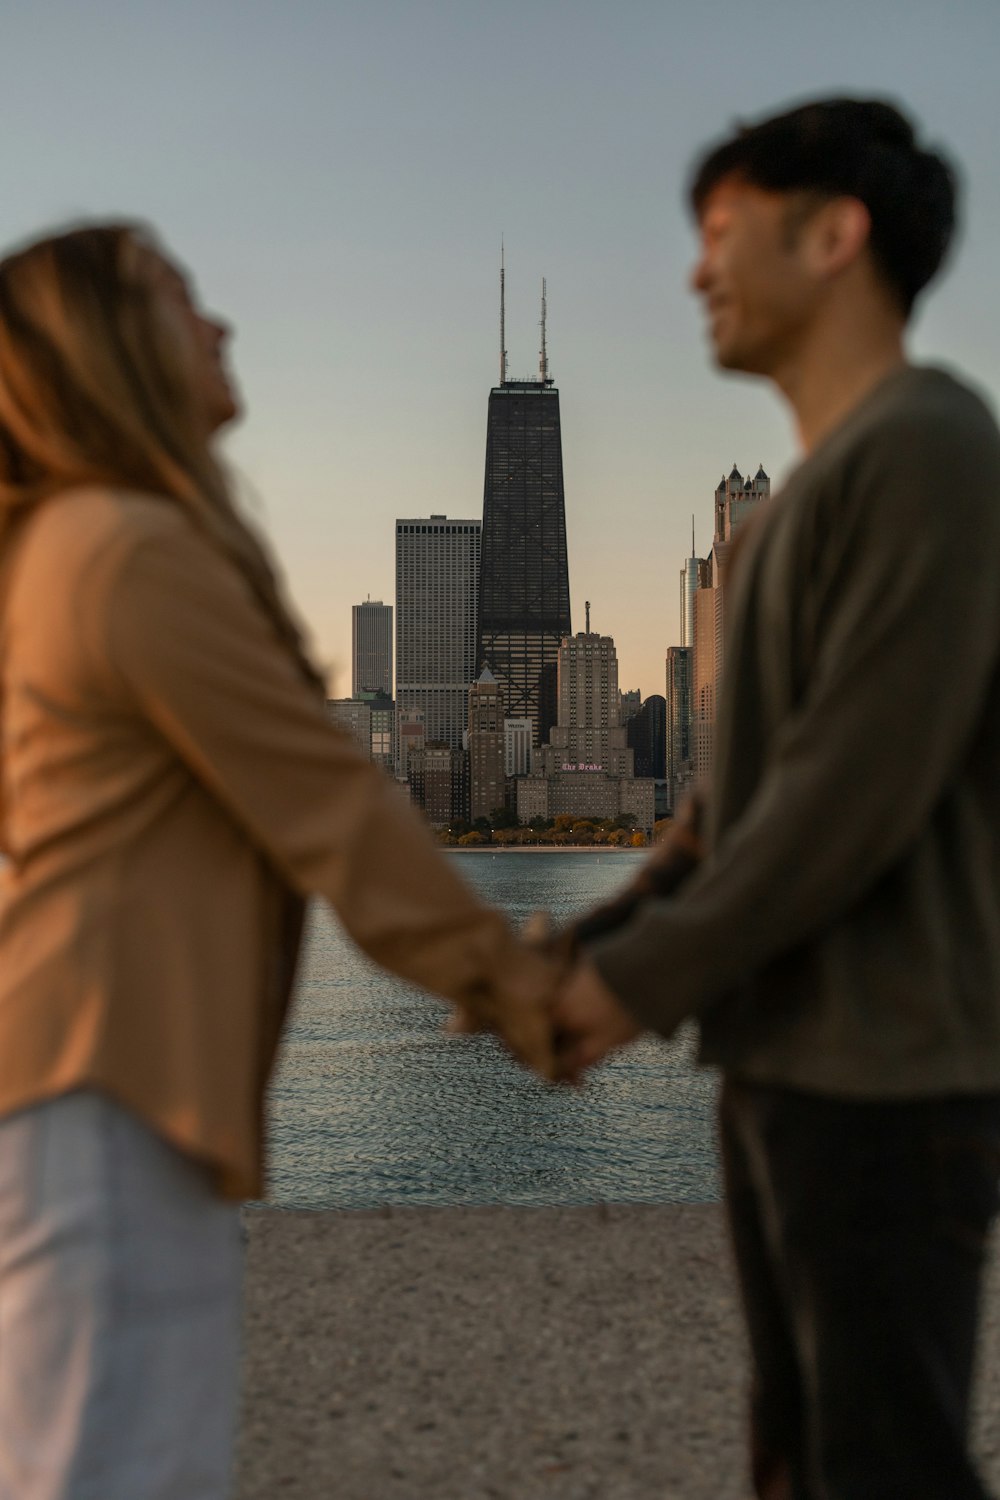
(735, 500)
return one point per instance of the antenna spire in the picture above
(543, 358)
(503, 336)
(586, 605)
(693, 553)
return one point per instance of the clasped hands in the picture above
(584, 1019)
(588, 1022)
(577, 1023)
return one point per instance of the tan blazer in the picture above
(172, 791)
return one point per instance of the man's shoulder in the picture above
(924, 447)
(925, 410)
(919, 459)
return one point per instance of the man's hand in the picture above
(517, 1006)
(590, 1021)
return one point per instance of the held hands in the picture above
(588, 1019)
(575, 1020)
(589, 1022)
(562, 1035)
(579, 1020)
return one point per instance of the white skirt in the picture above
(120, 1300)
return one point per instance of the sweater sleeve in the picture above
(905, 658)
(198, 658)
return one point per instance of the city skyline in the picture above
(421, 609)
(339, 179)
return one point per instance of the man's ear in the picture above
(838, 235)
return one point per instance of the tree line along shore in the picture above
(565, 831)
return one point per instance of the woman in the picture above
(172, 791)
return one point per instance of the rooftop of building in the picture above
(538, 387)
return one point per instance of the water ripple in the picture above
(371, 1104)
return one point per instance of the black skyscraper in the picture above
(646, 732)
(524, 577)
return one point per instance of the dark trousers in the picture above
(859, 1230)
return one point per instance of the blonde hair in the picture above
(94, 390)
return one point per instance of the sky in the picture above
(338, 174)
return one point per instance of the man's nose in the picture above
(699, 275)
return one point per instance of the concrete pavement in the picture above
(505, 1354)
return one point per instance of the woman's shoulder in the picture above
(88, 554)
(93, 527)
(102, 513)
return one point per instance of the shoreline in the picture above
(544, 849)
(499, 1353)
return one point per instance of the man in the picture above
(839, 943)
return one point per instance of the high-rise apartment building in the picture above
(589, 734)
(371, 648)
(524, 589)
(411, 736)
(354, 718)
(437, 579)
(383, 728)
(436, 776)
(370, 719)
(735, 500)
(586, 768)
(487, 772)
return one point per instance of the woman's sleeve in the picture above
(192, 649)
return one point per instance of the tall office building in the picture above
(693, 577)
(371, 648)
(735, 500)
(631, 702)
(680, 767)
(524, 608)
(437, 576)
(487, 772)
(647, 738)
(518, 749)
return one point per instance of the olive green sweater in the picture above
(843, 934)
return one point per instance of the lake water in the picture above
(372, 1104)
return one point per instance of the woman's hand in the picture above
(590, 1021)
(518, 1008)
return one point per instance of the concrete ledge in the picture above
(507, 1354)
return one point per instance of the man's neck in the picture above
(834, 370)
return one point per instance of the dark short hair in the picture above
(855, 148)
